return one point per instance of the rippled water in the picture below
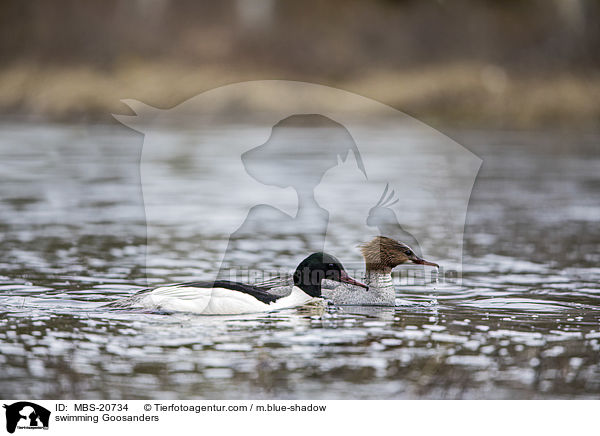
(524, 323)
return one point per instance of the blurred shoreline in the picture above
(462, 94)
(494, 64)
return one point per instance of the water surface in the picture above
(524, 322)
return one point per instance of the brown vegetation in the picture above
(485, 63)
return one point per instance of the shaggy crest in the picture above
(383, 254)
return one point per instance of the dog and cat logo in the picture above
(26, 415)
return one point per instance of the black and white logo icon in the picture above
(26, 415)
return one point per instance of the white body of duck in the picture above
(222, 297)
(217, 300)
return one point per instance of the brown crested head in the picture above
(383, 254)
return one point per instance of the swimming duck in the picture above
(381, 255)
(224, 297)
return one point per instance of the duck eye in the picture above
(408, 253)
(330, 265)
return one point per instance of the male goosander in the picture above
(223, 297)
(381, 255)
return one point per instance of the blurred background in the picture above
(515, 82)
(493, 63)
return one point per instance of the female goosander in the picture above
(381, 255)
(223, 297)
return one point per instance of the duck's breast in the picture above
(296, 298)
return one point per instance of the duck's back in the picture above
(206, 301)
(220, 297)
